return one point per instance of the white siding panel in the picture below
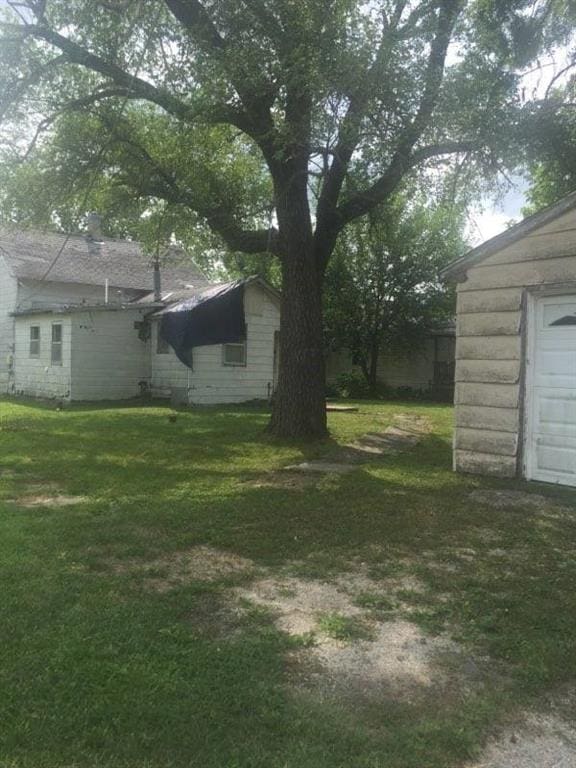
(487, 417)
(490, 395)
(108, 358)
(487, 441)
(489, 348)
(37, 377)
(532, 273)
(489, 324)
(553, 239)
(479, 463)
(8, 294)
(496, 300)
(488, 371)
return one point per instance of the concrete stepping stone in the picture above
(403, 434)
(333, 408)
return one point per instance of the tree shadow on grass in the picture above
(97, 672)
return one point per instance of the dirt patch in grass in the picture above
(298, 604)
(293, 481)
(539, 741)
(361, 643)
(398, 661)
(412, 422)
(48, 500)
(201, 563)
(506, 499)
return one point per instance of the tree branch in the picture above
(446, 148)
(20, 88)
(161, 183)
(349, 134)
(403, 160)
(137, 88)
(196, 20)
(76, 54)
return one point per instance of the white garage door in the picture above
(551, 393)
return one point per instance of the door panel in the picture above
(551, 433)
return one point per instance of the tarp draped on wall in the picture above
(215, 316)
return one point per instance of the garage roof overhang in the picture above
(458, 268)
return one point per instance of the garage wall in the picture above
(489, 346)
(211, 382)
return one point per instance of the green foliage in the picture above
(552, 164)
(352, 384)
(383, 289)
(193, 138)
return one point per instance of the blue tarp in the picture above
(214, 316)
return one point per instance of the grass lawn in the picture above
(104, 662)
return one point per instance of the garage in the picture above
(515, 393)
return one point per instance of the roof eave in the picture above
(457, 269)
(79, 308)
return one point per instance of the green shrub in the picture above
(352, 384)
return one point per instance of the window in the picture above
(162, 346)
(34, 341)
(234, 354)
(56, 347)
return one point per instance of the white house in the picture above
(79, 320)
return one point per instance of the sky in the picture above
(491, 216)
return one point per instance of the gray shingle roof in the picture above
(29, 254)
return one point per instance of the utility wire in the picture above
(99, 157)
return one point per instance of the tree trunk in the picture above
(300, 401)
(373, 368)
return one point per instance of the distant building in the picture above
(427, 370)
(79, 320)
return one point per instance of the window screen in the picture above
(234, 354)
(34, 341)
(56, 346)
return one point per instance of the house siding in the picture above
(490, 360)
(109, 360)
(8, 293)
(210, 382)
(38, 377)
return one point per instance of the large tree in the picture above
(310, 87)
